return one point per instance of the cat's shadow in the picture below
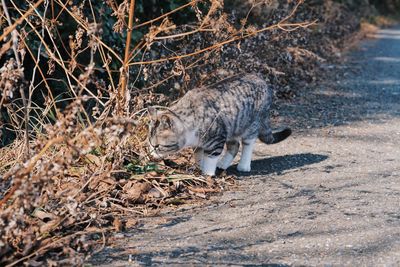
(279, 164)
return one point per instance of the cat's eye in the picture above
(171, 145)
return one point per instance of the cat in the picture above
(209, 118)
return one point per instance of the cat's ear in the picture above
(152, 112)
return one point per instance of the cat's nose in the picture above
(155, 155)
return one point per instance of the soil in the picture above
(329, 195)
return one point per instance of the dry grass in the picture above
(78, 168)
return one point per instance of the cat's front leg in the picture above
(212, 152)
(245, 159)
(232, 148)
(209, 164)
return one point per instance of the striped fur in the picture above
(209, 118)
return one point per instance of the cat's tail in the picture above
(273, 137)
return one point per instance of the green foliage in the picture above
(138, 168)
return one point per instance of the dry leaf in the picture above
(134, 190)
(131, 222)
(154, 193)
(43, 215)
(203, 189)
(93, 159)
(117, 224)
(49, 226)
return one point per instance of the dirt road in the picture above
(329, 195)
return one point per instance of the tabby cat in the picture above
(208, 118)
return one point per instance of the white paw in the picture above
(209, 173)
(243, 168)
(209, 166)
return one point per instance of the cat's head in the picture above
(167, 133)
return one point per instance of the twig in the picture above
(103, 244)
(84, 26)
(191, 3)
(31, 86)
(236, 38)
(182, 34)
(59, 60)
(282, 24)
(124, 75)
(20, 20)
(44, 80)
(126, 209)
(14, 35)
(103, 55)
